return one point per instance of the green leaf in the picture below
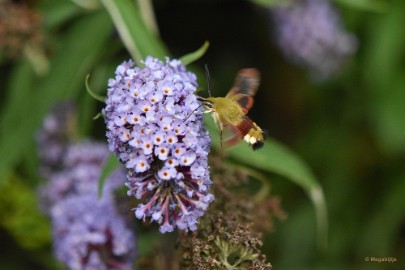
(82, 46)
(268, 3)
(109, 166)
(194, 56)
(137, 39)
(91, 93)
(366, 5)
(17, 100)
(276, 158)
(87, 4)
(97, 116)
(383, 73)
(56, 12)
(17, 103)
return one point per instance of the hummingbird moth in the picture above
(230, 111)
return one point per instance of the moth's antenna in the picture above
(207, 74)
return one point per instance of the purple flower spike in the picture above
(95, 239)
(155, 127)
(310, 34)
(88, 232)
(81, 171)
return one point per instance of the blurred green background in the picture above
(350, 129)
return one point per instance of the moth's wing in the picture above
(246, 82)
(230, 134)
(245, 87)
(245, 102)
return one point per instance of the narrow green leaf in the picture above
(91, 93)
(268, 3)
(97, 116)
(137, 39)
(87, 4)
(17, 99)
(64, 81)
(38, 59)
(194, 56)
(276, 158)
(321, 212)
(366, 5)
(56, 13)
(109, 166)
(148, 15)
(17, 103)
(383, 72)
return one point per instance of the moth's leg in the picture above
(220, 136)
(219, 125)
(208, 110)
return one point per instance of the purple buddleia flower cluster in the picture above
(53, 137)
(82, 163)
(155, 127)
(310, 34)
(88, 232)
